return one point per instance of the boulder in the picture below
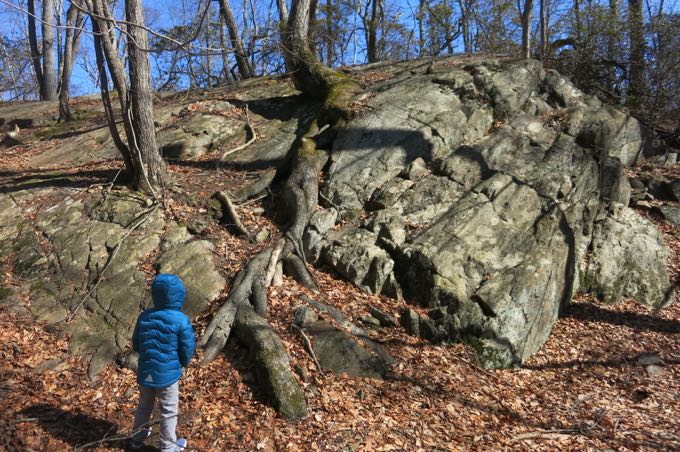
(628, 260)
(340, 352)
(487, 220)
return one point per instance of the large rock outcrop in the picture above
(479, 192)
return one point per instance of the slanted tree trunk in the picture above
(300, 191)
(49, 86)
(283, 22)
(242, 62)
(74, 21)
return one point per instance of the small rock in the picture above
(222, 106)
(16, 349)
(670, 214)
(50, 364)
(416, 170)
(302, 372)
(304, 315)
(197, 226)
(654, 370)
(649, 359)
(410, 320)
(671, 159)
(262, 235)
(369, 320)
(257, 211)
(384, 318)
(644, 204)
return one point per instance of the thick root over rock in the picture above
(300, 199)
(272, 366)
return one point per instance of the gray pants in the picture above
(168, 398)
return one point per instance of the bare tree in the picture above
(636, 82)
(151, 172)
(49, 87)
(43, 57)
(74, 23)
(242, 61)
(525, 19)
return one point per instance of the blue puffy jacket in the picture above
(163, 335)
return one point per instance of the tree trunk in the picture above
(330, 35)
(372, 37)
(49, 86)
(612, 35)
(106, 98)
(300, 191)
(283, 22)
(35, 50)
(74, 20)
(152, 172)
(544, 30)
(242, 62)
(526, 28)
(637, 53)
(421, 28)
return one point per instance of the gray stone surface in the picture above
(480, 198)
(341, 352)
(628, 260)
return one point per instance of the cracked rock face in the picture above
(480, 200)
(89, 263)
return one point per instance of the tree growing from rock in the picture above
(143, 162)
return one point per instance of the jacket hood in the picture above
(168, 291)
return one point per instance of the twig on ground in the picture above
(308, 345)
(246, 144)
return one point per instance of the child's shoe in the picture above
(181, 444)
(139, 438)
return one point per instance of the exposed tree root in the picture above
(272, 366)
(257, 187)
(300, 199)
(229, 214)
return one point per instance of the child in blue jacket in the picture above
(164, 339)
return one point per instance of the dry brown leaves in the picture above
(587, 388)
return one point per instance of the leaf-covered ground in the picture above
(608, 377)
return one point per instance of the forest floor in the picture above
(607, 378)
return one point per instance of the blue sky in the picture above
(167, 13)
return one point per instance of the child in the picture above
(164, 339)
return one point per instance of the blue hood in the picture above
(168, 292)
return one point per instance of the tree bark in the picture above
(242, 62)
(33, 45)
(300, 191)
(526, 28)
(372, 36)
(74, 20)
(106, 99)
(612, 33)
(151, 173)
(637, 53)
(49, 87)
(544, 30)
